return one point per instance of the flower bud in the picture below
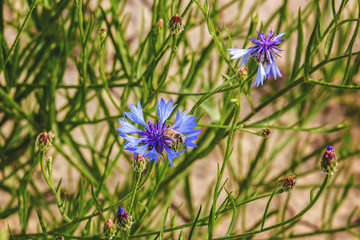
(123, 219)
(139, 164)
(160, 23)
(287, 183)
(159, 26)
(265, 132)
(44, 140)
(328, 161)
(102, 34)
(175, 24)
(242, 73)
(109, 229)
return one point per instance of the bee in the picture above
(175, 136)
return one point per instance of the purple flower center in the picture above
(266, 48)
(155, 136)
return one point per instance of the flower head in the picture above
(159, 137)
(329, 161)
(176, 25)
(265, 132)
(287, 183)
(109, 229)
(124, 219)
(264, 52)
(139, 163)
(44, 140)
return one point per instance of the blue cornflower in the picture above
(265, 51)
(159, 136)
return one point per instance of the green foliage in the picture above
(75, 66)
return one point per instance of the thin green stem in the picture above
(112, 206)
(267, 208)
(32, 7)
(297, 216)
(137, 177)
(222, 170)
(49, 180)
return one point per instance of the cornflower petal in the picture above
(131, 140)
(152, 154)
(260, 76)
(140, 150)
(239, 52)
(244, 59)
(278, 37)
(127, 127)
(164, 109)
(184, 123)
(136, 114)
(189, 138)
(179, 119)
(171, 154)
(271, 69)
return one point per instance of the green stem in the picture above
(102, 73)
(49, 180)
(32, 7)
(112, 206)
(167, 68)
(296, 217)
(23, 192)
(137, 177)
(267, 208)
(136, 181)
(326, 84)
(227, 156)
(151, 196)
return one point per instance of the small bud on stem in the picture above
(109, 229)
(139, 164)
(175, 24)
(44, 140)
(123, 219)
(328, 161)
(288, 183)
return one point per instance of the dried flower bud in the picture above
(242, 73)
(159, 26)
(160, 22)
(123, 219)
(139, 164)
(175, 24)
(288, 183)
(102, 34)
(109, 229)
(44, 140)
(265, 132)
(328, 161)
